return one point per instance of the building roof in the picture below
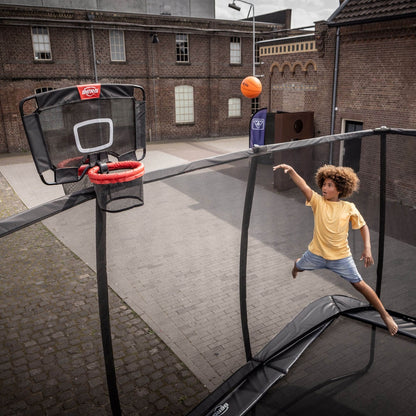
(365, 11)
(288, 39)
(282, 17)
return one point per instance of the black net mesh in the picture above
(175, 262)
(331, 377)
(110, 127)
(120, 196)
(68, 132)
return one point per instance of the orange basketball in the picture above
(251, 87)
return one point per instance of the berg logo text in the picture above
(221, 409)
(87, 92)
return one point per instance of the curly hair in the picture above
(345, 179)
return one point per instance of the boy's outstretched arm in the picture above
(297, 179)
(366, 255)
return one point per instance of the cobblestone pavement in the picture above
(51, 360)
(176, 266)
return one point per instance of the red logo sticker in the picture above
(86, 92)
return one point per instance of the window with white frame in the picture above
(235, 50)
(117, 50)
(234, 107)
(184, 104)
(182, 48)
(41, 43)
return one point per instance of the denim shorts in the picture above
(345, 268)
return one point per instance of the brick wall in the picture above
(376, 87)
(151, 65)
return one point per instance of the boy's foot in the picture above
(392, 327)
(295, 270)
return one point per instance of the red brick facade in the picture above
(151, 65)
(375, 83)
(376, 86)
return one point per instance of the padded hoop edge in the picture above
(136, 171)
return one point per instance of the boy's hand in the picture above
(298, 180)
(368, 258)
(286, 168)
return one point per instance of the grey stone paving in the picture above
(174, 263)
(51, 360)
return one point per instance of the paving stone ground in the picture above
(173, 270)
(51, 360)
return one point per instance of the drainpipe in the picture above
(334, 93)
(155, 41)
(91, 18)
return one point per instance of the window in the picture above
(254, 105)
(43, 89)
(41, 43)
(184, 104)
(117, 46)
(235, 50)
(234, 107)
(182, 48)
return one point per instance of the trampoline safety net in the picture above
(174, 268)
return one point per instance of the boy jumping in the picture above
(329, 247)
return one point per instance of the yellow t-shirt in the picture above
(330, 234)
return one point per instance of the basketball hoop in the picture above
(118, 185)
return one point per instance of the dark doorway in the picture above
(352, 148)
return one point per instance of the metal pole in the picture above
(248, 203)
(234, 6)
(382, 215)
(334, 94)
(154, 91)
(104, 310)
(93, 55)
(91, 18)
(254, 43)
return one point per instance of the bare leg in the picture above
(295, 270)
(374, 300)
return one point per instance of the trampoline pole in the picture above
(248, 203)
(104, 311)
(382, 215)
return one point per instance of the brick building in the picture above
(191, 68)
(355, 72)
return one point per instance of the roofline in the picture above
(372, 20)
(365, 20)
(264, 28)
(168, 22)
(338, 10)
(287, 38)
